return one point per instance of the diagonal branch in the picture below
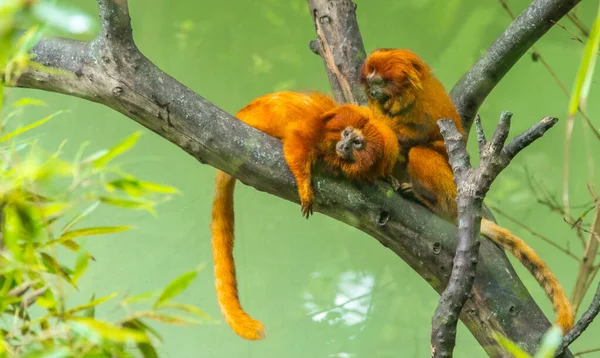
(472, 186)
(473, 88)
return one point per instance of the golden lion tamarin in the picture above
(348, 139)
(401, 86)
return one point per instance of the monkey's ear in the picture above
(327, 116)
(418, 66)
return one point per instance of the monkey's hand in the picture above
(306, 199)
(394, 183)
(307, 209)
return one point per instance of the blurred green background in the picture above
(323, 289)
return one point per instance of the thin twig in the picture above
(587, 264)
(579, 354)
(580, 25)
(536, 234)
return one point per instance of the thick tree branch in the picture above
(472, 186)
(473, 88)
(122, 78)
(340, 45)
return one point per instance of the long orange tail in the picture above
(538, 269)
(223, 236)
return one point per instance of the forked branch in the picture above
(472, 186)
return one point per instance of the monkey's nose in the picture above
(373, 93)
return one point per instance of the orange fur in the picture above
(311, 127)
(402, 87)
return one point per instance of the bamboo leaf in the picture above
(143, 327)
(129, 204)
(28, 127)
(29, 102)
(135, 187)
(101, 230)
(146, 348)
(109, 331)
(81, 264)
(117, 150)
(583, 80)
(92, 303)
(141, 297)
(176, 287)
(80, 217)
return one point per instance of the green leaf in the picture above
(129, 204)
(81, 264)
(510, 346)
(140, 297)
(176, 287)
(92, 303)
(146, 348)
(80, 217)
(109, 331)
(91, 311)
(101, 230)
(135, 188)
(28, 127)
(550, 342)
(56, 268)
(117, 150)
(29, 102)
(143, 327)
(583, 80)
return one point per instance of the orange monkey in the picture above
(349, 139)
(401, 86)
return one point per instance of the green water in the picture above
(322, 289)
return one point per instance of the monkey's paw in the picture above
(405, 188)
(307, 209)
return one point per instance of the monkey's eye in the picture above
(346, 132)
(357, 143)
(377, 82)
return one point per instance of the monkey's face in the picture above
(353, 143)
(392, 79)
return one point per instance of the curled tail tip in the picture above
(253, 331)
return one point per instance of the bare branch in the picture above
(472, 186)
(340, 45)
(473, 88)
